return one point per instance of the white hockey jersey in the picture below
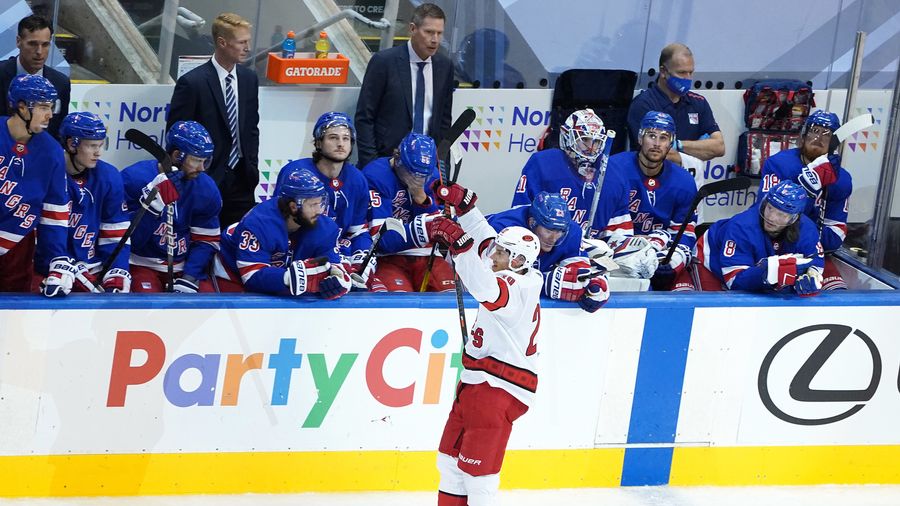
(502, 349)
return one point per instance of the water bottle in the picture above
(289, 46)
(322, 45)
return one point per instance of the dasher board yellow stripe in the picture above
(785, 465)
(288, 472)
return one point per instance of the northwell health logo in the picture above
(509, 128)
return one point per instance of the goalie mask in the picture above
(521, 244)
(582, 137)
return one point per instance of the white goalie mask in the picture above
(582, 137)
(520, 242)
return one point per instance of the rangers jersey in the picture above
(551, 171)
(732, 248)
(259, 248)
(502, 348)
(569, 246)
(97, 220)
(196, 222)
(389, 198)
(33, 192)
(348, 203)
(786, 165)
(657, 203)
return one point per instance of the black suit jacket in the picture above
(384, 111)
(8, 71)
(198, 97)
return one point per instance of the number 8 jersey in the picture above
(502, 348)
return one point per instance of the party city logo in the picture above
(511, 129)
(142, 363)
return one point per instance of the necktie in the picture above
(419, 114)
(231, 113)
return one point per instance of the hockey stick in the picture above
(170, 246)
(145, 142)
(725, 185)
(849, 128)
(459, 126)
(390, 224)
(598, 182)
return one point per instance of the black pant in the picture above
(237, 189)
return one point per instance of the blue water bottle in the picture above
(288, 46)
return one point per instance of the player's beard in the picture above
(333, 159)
(304, 222)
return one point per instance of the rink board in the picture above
(173, 395)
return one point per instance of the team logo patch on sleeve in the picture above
(694, 118)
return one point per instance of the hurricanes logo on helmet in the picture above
(527, 238)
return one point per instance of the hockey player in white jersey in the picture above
(499, 379)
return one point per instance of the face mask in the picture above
(679, 85)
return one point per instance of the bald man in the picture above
(696, 130)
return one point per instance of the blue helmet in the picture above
(30, 89)
(550, 211)
(786, 196)
(330, 120)
(418, 154)
(822, 118)
(301, 184)
(82, 125)
(658, 121)
(190, 138)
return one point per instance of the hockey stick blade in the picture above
(725, 185)
(145, 142)
(854, 125)
(459, 126)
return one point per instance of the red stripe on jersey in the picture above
(483, 246)
(502, 299)
(55, 215)
(522, 378)
(251, 269)
(104, 233)
(625, 225)
(204, 238)
(728, 277)
(6, 243)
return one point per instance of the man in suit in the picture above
(224, 97)
(33, 41)
(406, 88)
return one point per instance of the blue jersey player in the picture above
(659, 195)
(348, 190)
(400, 188)
(189, 199)
(285, 245)
(561, 260)
(33, 194)
(827, 183)
(772, 246)
(571, 170)
(97, 219)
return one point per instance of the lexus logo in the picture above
(800, 389)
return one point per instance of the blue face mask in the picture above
(679, 85)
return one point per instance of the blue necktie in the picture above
(231, 112)
(419, 114)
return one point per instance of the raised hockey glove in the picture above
(808, 284)
(336, 284)
(185, 284)
(462, 199)
(817, 175)
(304, 276)
(84, 280)
(60, 278)
(117, 281)
(563, 283)
(659, 240)
(636, 258)
(450, 234)
(782, 270)
(168, 193)
(595, 294)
